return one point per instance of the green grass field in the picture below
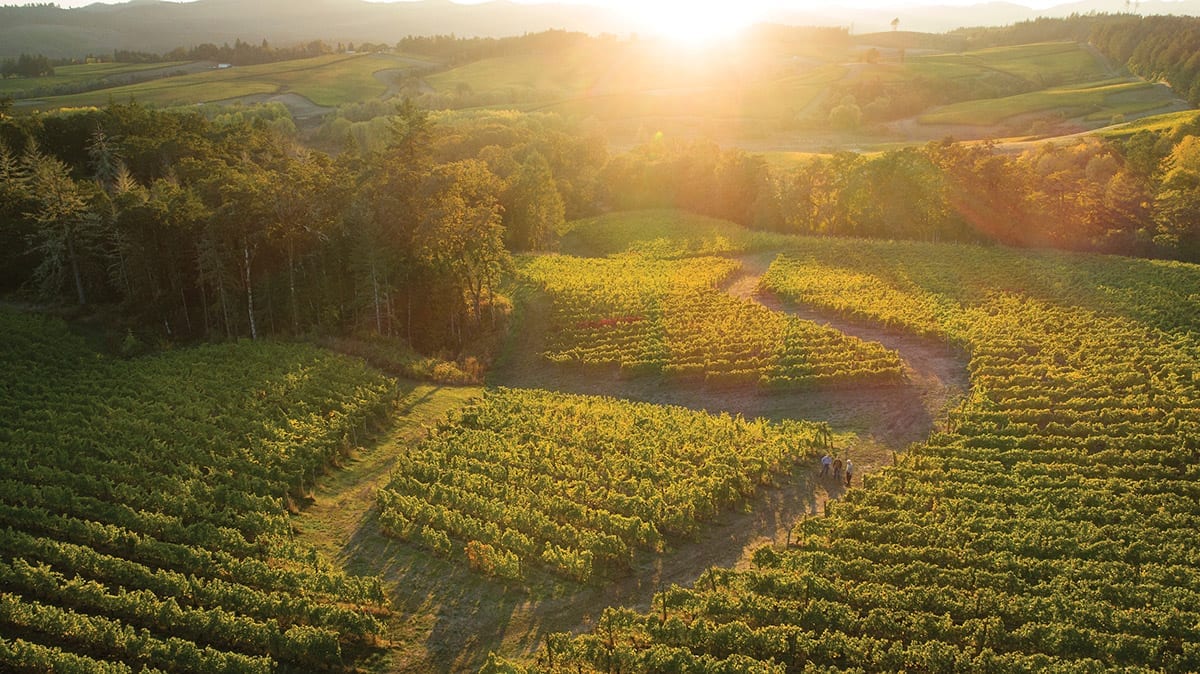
(1165, 123)
(325, 80)
(1040, 62)
(1094, 101)
(77, 74)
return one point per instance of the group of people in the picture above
(839, 468)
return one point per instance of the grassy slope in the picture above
(1094, 100)
(325, 80)
(339, 513)
(664, 233)
(635, 91)
(75, 74)
(1165, 123)
(1039, 62)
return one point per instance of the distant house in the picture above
(222, 66)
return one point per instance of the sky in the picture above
(638, 6)
(699, 21)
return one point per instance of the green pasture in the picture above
(78, 74)
(1049, 62)
(1094, 101)
(1169, 122)
(325, 80)
(526, 73)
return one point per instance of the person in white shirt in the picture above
(826, 462)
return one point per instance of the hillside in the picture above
(154, 25)
(811, 350)
(158, 26)
(1047, 497)
(785, 90)
(144, 505)
(1030, 531)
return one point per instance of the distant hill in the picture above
(151, 25)
(935, 18)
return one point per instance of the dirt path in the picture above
(449, 619)
(936, 371)
(873, 423)
(340, 509)
(891, 416)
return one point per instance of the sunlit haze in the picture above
(691, 21)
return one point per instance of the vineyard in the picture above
(576, 485)
(1051, 525)
(664, 234)
(144, 506)
(649, 316)
(1048, 525)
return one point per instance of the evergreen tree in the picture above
(534, 209)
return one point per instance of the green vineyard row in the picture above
(1049, 527)
(577, 484)
(647, 316)
(144, 505)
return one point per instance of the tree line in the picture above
(26, 65)
(225, 227)
(1153, 47)
(200, 229)
(1137, 197)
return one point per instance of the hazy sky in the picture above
(637, 6)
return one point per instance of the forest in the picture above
(220, 226)
(26, 65)
(200, 229)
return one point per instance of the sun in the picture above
(695, 23)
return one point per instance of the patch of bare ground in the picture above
(448, 618)
(302, 109)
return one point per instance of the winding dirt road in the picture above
(889, 416)
(453, 617)
(886, 419)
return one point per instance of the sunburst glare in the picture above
(695, 23)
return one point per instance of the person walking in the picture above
(837, 469)
(849, 471)
(826, 462)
